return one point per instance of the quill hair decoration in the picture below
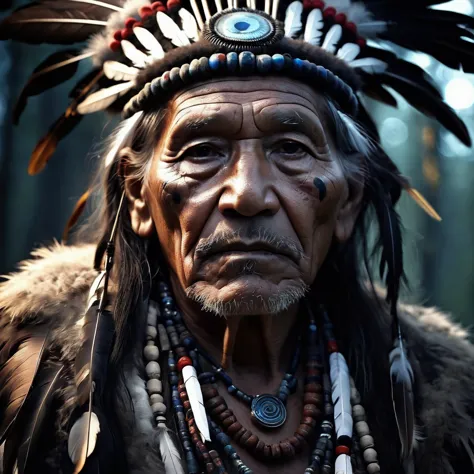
(193, 389)
(293, 22)
(170, 454)
(341, 394)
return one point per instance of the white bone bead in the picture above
(153, 370)
(373, 468)
(362, 428)
(152, 313)
(355, 397)
(151, 333)
(158, 408)
(156, 398)
(370, 455)
(151, 353)
(154, 386)
(358, 413)
(164, 339)
(366, 442)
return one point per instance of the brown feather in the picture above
(423, 203)
(76, 213)
(47, 145)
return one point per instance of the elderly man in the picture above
(230, 328)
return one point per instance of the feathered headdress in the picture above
(335, 45)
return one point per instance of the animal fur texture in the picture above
(53, 287)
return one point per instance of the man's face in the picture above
(231, 194)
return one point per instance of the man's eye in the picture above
(291, 148)
(202, 152)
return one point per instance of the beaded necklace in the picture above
(326, 422)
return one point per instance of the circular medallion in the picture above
(268, 411)
(239, 28)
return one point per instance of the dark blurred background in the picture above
(439, 256)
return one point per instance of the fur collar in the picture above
(54, 284)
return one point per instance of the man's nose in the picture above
(249, 189)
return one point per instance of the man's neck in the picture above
(263, 344)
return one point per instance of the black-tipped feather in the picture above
(39, 23)
(428, 104)
(37, 415)
(20, 358)
(54, 70)
(85, 81)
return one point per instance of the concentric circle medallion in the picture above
(242, 28)
(268, 411)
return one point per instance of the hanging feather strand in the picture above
(103, 98)
(76, 214)
(332, 38)
(293, 24)
(193, 389)
(170, 454)
(314, 27)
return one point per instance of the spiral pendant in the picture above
(268, 411)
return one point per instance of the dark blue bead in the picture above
(246, 62)
(214, 62)
(232, 389)
(293, 384)
(229, 450)
(193, 466)
(189, 342)
(313, 327)
(223, 439)
(322, 72)
(174, 379)
(278, 62)
(232, 61)
(306, 67)
(298, 64)
(169, 323)
(155, 86)
(239, 394)
(224, 377)
(264, 63)
(167, 299)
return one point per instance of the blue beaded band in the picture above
(245, 63)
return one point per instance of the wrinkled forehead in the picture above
(274, 103)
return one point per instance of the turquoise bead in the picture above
(246, 62)
(232, 62)
(278, 62)
(214, 62)
(297, 64)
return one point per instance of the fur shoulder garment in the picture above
(41, 305)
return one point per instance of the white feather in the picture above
(207, 12)
(348, 52)
(341, 394)
(189, 24)
(267, 7)
(193, 389)
(275, 5)
(169, 453)
(149, 42)
(171, 30)
(119, 72)
(103, 98)
(343, 464)
(81, 441)
(197, 13)
(138, 58)
(121, 138)
(332, 38)
(370, 65)
(100, 4)
(293, 22)
(218, 5)
(314, 27)
(371, 28)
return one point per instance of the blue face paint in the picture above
(321, 187)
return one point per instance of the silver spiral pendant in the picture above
(268, 411)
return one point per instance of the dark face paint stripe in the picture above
(321, 187)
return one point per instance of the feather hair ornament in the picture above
(293, 24)
(76, 214)
(341, 394)
(119, 72)
(314, 27)
(193, 389)
(171, 30)
(189, 24)
(348, 52)
(137, 57)
(369, 65)
(197, 13)
(170, 454)
(343, 464)
(100, 4)
(332, 38)
(149, 42)
(103, 98)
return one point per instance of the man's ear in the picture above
(140, 216)
(348, 213)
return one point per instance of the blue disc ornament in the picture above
(268, 411)
(242, 28)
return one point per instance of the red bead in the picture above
(351, 27)
(184, 362)
(361, 42)
(115, 46)
(126, 33)
(330, 11)
(129, 22)
(156, 5)
(118, 35)
(173, 4)
(138, 24)
(332, 346)
(307, 4)
(318, 4)
(146, 16)
(342, 450)
(340, 18)
(146, 10)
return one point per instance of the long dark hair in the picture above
(344, 283)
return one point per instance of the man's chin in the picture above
(248, 297)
